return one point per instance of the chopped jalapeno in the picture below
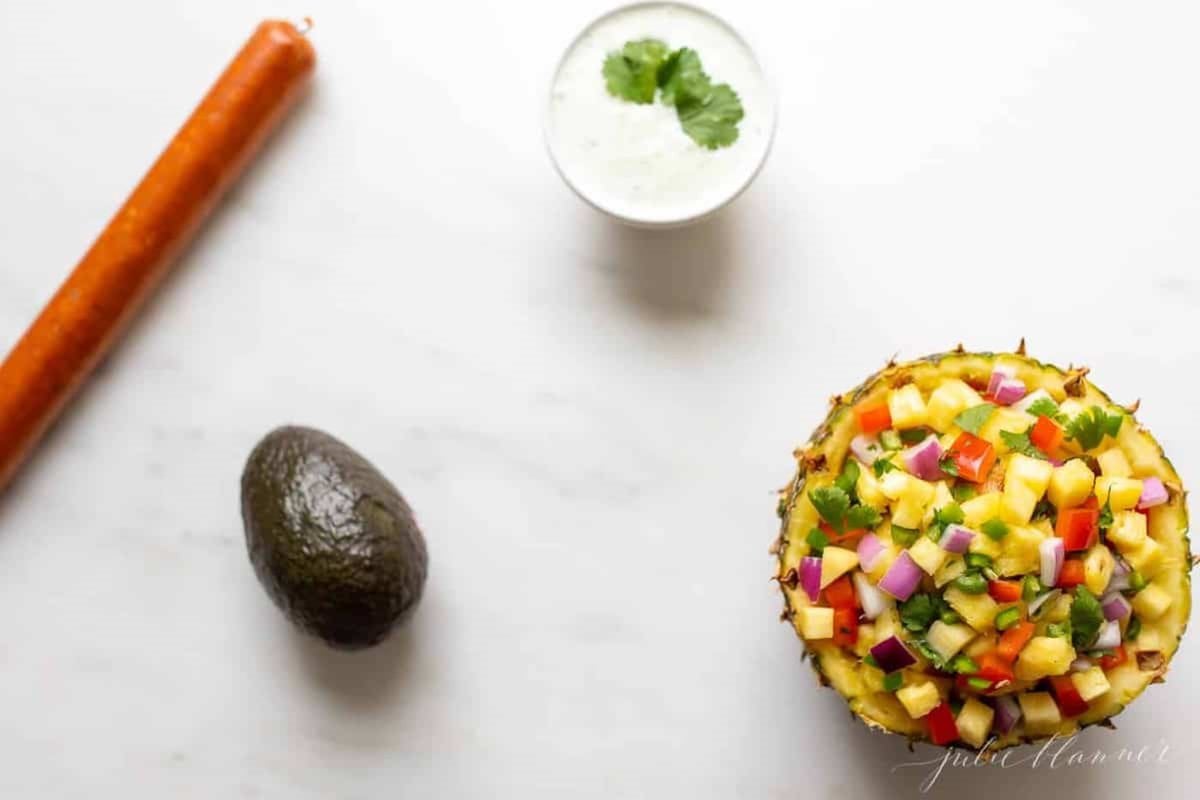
(995, 528)
(1137, 581)
(1133, 628)
(890, 440)
(964, 664)
(904, 536)
(817, 540)
(981, 684)
(893, 681)
(1031, 587)
(978, 560)
(971, 583)
(1006, 618)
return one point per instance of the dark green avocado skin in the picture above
(332, 541)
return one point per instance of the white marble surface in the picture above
(589, 420)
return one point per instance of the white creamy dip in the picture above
(635, 161)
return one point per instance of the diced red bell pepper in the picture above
(1072, 573)
(845, 626)
(1119, 657)
(1013, 639)
(873, 417)
(973, 457)
(1046, 435)
(994, 668)
(842, 539)
(840, 594)
(1069, 701)
(1004, 591)
(1078, 527)
(942, 727)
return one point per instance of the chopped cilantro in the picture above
(833, 504)
(870, 659)
(712, 118)
(862, 517)
(974, 417)
(632, 72)
(919, 611)
(1105, 520)
(1090, 427)
(948, 465)
(962, 492)
(1020, 443)
(1044, 510)
(883, 466)
(1086, 617)
(893, 681)
(1059, 630)
(817, 540)
(934, 656)
(849, 477)
(1045, 407)
(995, 528)
(681, 74)
(914, 435)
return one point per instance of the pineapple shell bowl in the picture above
(981, 550)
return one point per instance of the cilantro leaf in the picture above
(962, 492)
(948, 465)
(712, 119)
(1020, 443)
(831, 503)
(631, 73)
(883, 466)
(817, 540)
(1090, 427)
(1106, 514)
(918, 612)
(849, 477)
(1045, 407)
(862, 517)
(682, 76)
(1086, 617)
(926, 650)
(974, 417)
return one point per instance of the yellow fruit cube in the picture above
(981, 508)
(1004, 419)
(884, 562)
(865, 641)
(919, 699)
(814, 622)
(928, 555)
(1128, 530)
(1056, 610)
(1091, 683)
(1151, 602)
(947, 640)
(980, 645)
(1044, 656)
(1098, 565)
(1019, 551)
(907, 407)
(1033, 472)
(1142, 453)
(982, 543)
(897, 485)
(1017, 503)
(1040, 712)
(869, 489)
(836, 562)
(978, 610)
(941, 499)
(1148, 640)
(1070, 484)
(948, 401)
(1113, 463)
(1147, 559)
(974, 722)
(951, 569)
(1121, 494)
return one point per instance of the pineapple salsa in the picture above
(984, 550)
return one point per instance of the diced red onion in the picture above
(956, 539)
(1115, 606)
(891, 655)
(1055, 461)
(1009, 391)
(1080, 665)
(866, 448)
(874, 602)
(999, 373)
(810, 577)
(1052, 553)
(1008, 713)
(1153, 494)
(1119, 581)
(902, 577)
(870, 548)
(922, 459)
(1042, 599)
(1109, 638)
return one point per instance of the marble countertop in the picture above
(589, 420)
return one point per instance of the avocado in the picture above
(332, 540)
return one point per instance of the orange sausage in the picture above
(97, 301)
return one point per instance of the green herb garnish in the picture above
(974, 417)
(919, 611)
(632, 73)
(817, 540)
(1133, 628)
(1020, 443)
(914, 435)
(1045, 407)
(1059, 630)
(833, 504)
(1090, 427)
(893, 681)
(883, 466)
(1086, 617)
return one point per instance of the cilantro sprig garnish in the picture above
(1045, 407)
(1020, 443)
(974, 417)
(833, 504)
(708, 113)
(1090, 427)
(1086, 617)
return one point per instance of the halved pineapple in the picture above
(1014, 502)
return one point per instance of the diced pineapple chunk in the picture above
(1148, 639)
(884, 562)
(907, 407)
(948, 401)
(982, 543)
(1043, 656)
(974, 722)
(1018, 503)
(947, 640)
(1121, 494)
(927, 554)
(981, 508)
(954, 566)
(1019, 551)
(1143, 454)
(814, 622)
(979, 610)
(869, 489)
(1098, 565)
(1033, 472)
(1040, 712)
(1004, 419)
(1056, 610)
(980, 645)
(1151, 602)
(836, 562)
(919, 699)
(866, 639)
(1091, 683)
(911, 495)
(1128, 530)
(1147, 559)
(941, 499)
(1113, 463)
(1070, 484)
